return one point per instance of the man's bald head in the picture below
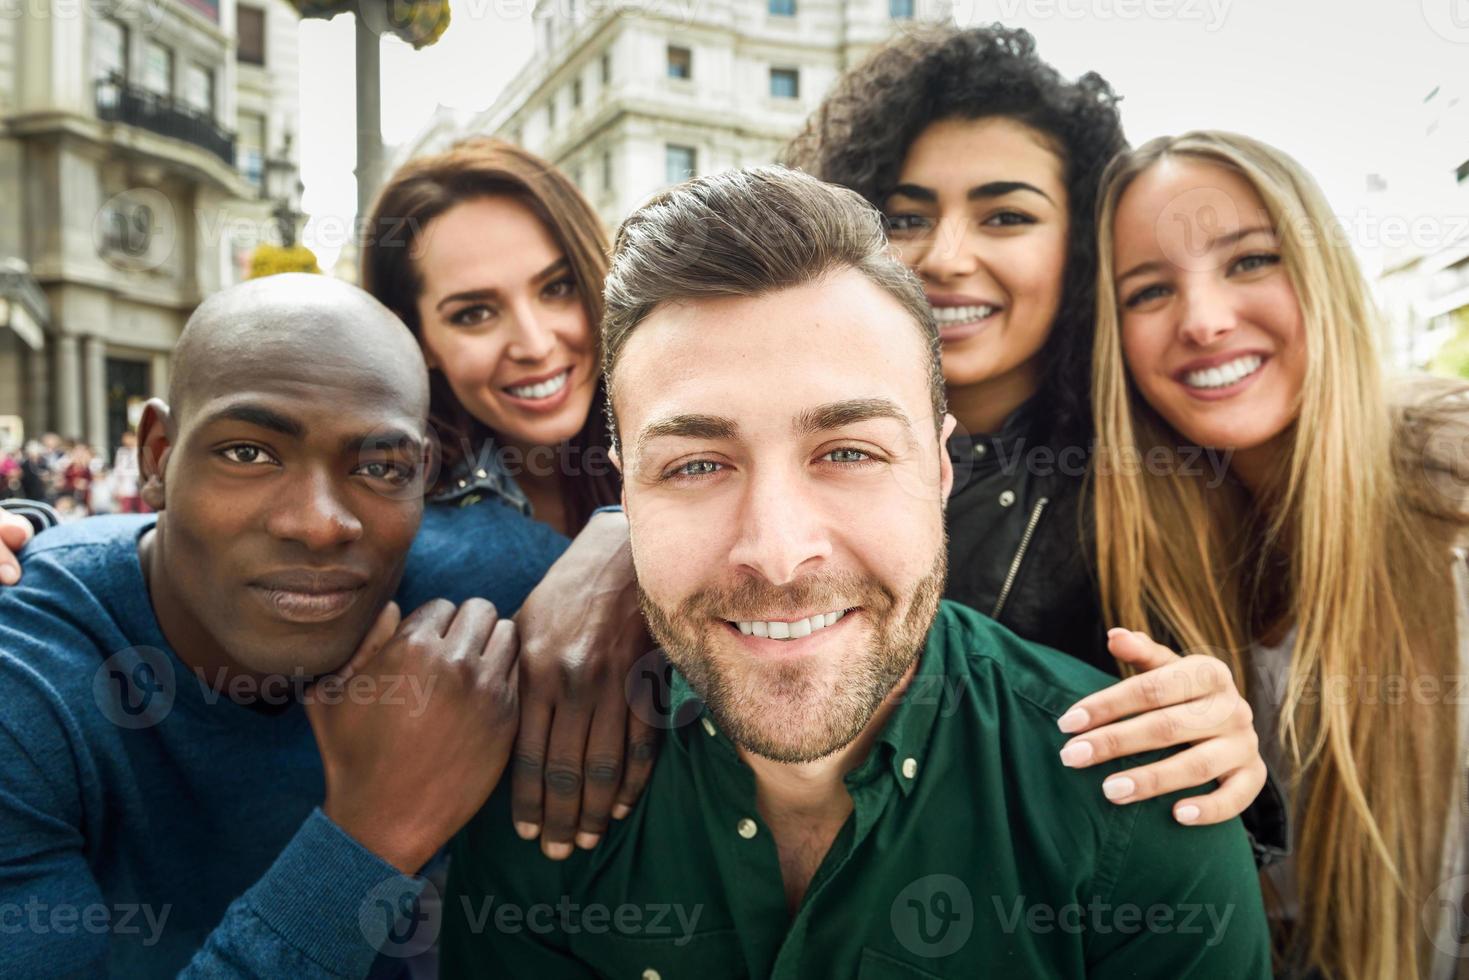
(286, 323)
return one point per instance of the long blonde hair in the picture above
(1346, 543)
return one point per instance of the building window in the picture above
(606, 170)
(606, 69)
(158, 68)
(681, 163)
(680, 62)
(250, 30)
(900, 9)
(199, 88)
(783, 8)
(785, 83)
(109, 49)
(576, 93)
(250, 148)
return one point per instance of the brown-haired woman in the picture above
(495, 261)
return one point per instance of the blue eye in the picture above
(1257, 260)
(847, 456)
(693, 469)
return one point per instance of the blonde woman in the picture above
(1325, 570)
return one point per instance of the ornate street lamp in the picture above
(282, 185)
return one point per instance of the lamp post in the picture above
(283, 186)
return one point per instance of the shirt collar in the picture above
(483, 475)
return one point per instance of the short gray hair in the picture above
(746, 233)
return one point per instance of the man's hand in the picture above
(416, 730)
(15, 531)
(1172, 701)
(582, 755)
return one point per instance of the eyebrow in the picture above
(822, 418)
(562, 264)
(1144, 268)
(836, 415)
(981, 192)
(394, 437)
(258, 416)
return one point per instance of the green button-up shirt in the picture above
(970, 852)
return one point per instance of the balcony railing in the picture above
(119, 101)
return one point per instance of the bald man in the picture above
(214, 723)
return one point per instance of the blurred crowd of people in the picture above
(72, 477)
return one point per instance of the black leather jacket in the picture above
(1018, 539)
(1020, 551)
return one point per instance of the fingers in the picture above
(1237, 790)
(471, 627)
(1185, 679)
(528, 763)
(637, 769)
(1192, 721)
(435, 615)
(602, 770)
(1138, 649)
(564, 777)
(378, 635)
(1192, 768)
(14, 533)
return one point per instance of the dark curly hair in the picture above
(862, 132)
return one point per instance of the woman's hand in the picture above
(1173, 700)
(15, 531)
(582, 755)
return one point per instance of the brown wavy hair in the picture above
(426, 187)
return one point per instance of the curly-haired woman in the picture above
(986, 162)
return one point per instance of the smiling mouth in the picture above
(1224, 375)
(798, 629)
(953, 316)
(542, 389)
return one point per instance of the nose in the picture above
(951, 253)
(531, 338)
(781, 529)
(313, 513)
(1208, 314)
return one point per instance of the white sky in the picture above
(1339, 85)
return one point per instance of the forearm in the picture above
(323, 909)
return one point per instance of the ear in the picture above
(156, 433)
(946, 465)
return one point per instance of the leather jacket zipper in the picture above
(1035, 518)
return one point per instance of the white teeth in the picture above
(543, 390)
(949, 315)
(1225, 374)
(780, 630)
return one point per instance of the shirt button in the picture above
(979, 450)
(708, 725)
(910, 768)
(1007, 498)
(747, 828)
(481, 474)
(651, 974)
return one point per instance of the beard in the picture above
(805, 708)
